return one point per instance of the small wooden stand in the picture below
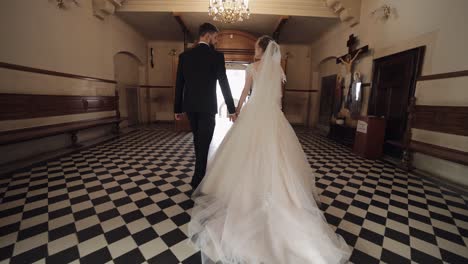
(370, 134)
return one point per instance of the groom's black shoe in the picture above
(195, 183)
(189, 193)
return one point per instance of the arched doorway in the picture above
(237, 46)
(325, 99)
(239, 49)
(127, 71)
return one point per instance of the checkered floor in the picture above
(127, 201)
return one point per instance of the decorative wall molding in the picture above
(446, 75)
(104, 8)
(347, 10)
(53, 73)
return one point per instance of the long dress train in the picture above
(257, 202)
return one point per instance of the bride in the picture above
(257, 203)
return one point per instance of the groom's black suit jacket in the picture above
(198, 70)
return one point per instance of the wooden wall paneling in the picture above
(23, 106)
(232, 40)
(444, 119)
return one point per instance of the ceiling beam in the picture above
(309, 8)
(184, 27)
(279, 25)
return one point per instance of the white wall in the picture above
(439, 25)
(38, 34)
(162, 100)
(298, 78)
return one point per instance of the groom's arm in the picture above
(180, 84)
(224, 83)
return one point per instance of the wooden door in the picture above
(327, 92)
(393, 84)
(132, 105)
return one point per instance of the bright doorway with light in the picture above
(236, 76)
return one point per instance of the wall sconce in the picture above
(173, 52)
(382, 12)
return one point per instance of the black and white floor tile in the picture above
(127, 201)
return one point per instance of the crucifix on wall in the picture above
(348, 61)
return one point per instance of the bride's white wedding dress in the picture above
(256, 203)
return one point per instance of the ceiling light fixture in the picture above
(229, 11)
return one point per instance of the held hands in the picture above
(178, 116)
(233, 117)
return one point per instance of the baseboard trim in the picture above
(463, 189)
(8, 169)
(444, 182)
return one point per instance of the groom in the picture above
(198, 70)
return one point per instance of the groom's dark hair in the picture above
(207, 28)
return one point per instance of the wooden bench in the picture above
(30, 106)
(72, 128)
(451, 120)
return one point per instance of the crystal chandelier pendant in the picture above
(229, 11)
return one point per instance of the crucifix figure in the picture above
(347, 61)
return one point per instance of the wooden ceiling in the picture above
(295, 21)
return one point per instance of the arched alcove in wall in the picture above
(128, 73)
(325, 67)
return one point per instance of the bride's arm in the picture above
(245, 92)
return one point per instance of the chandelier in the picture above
(229, 11)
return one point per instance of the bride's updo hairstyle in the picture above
(263, 42)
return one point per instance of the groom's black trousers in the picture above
(202, 125)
